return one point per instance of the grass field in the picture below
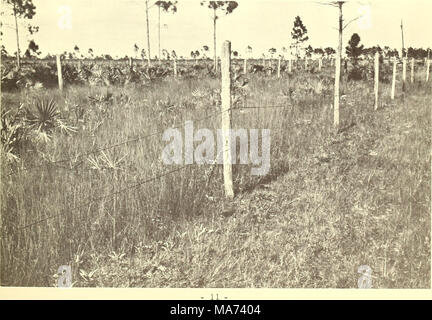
(332, 201)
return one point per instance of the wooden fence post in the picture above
(226, 118)
(319, 64)
(59, 73)
(175, 67)
(245, 66)
(377, 56)
(290, 65)
(130, 62)
(337, 90)
(393, 80)
(306, 63)
(404, 69)
(427, 70)
(279, 67)
(412, 70)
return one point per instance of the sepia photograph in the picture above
(216, 144)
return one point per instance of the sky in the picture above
(114, 26)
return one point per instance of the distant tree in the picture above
(249, 51)
(4, 53)
(224, 6)
(49, 56)
(76, 50)
(417, 53)
(32, 50)
(272, 52)
(329, 51)
(90, 52)
(299, 34)
(173, 54)
(309, 51)
(318, 51)
(354, 50)
(107, 57)
(165, 54)
(21, 9)
(167, 6)
(143, 54)
(205, 50)
(136, 50)
(389, 52)
(392, 53)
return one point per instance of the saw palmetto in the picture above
(44, 117)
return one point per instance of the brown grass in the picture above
(332, 201)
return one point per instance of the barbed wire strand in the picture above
(127, 189)
(112, 146)
(86, 154)
(93, 200)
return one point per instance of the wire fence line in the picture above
(147, 180)
(94, 200)
(94, 151)
(140, 183)
(135, 139)
(91, 201)
(113, 194)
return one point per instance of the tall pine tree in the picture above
(299, 35)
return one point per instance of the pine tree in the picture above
(299, 34)
(353, 50)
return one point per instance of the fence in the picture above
(225, 113)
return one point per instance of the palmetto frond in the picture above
(44, 116)
(106, 161)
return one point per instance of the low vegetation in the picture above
(83, 185)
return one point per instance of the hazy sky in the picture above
(114, 26)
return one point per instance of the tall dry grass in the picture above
(327, 206)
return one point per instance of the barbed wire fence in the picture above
(225, 112)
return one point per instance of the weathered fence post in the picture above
(377, 56)
(130, 62)
(290, 65)
(393, 80)
(337, 90)
(319, 64)
(404, 69)
(59, 73)
(412, 69)
(427, 70)
(279, 67)
(226, 118)
(306, 63)
(245, 66)
(175, 67)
